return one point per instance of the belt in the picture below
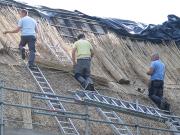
(85, 58)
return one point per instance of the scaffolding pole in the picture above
(137, 122)
(2, 108)
(87, 121)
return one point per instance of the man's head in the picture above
(23, 13)
(155, 56)
(80, 36)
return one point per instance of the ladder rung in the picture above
(140, 109)
(149, 111)
(175, 122)
(47, 91)
(55, 103)
(71, 134)
(45, 88)
(123, 104)
(105, 100)
(39, 77)
(36, 72)
(122, 129)
(107, 112)
(88, 96)
(157, 113)
(114, 118)
(42, 82)
(178, 127)
(34, 68)
(132, 107)
(68, 128)
(65, 122)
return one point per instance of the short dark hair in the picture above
(24, 11)
(80, 36)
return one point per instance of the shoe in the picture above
(92, 87)
(32, 66)
(167, 107)
(23, 55)
(164, 105)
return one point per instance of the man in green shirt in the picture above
(83, 50)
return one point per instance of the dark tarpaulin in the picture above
(168, 31)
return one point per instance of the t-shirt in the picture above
(83, 48)
(28, 26)
(158, 70)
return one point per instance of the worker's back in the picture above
(28, 26)
(83, 48)
(159, 70)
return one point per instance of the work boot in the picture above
(92, 87)
(164, 105)
(32, 66)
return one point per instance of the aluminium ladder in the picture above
(98, 100)
(65, 124)
(111, 116)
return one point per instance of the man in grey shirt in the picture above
(28, 28)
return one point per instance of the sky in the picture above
(145, 11)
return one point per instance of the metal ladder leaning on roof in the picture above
(65, 124)
(95, 99)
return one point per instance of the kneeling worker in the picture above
(82, 68)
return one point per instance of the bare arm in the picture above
(73, 56)
(92, 53)
(13, 31)
(150, 71)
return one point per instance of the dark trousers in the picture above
(82, 71)
(30, 40)
(156, 91)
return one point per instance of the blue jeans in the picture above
(30, 40)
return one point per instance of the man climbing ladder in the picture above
(28, 28)
(84, 51)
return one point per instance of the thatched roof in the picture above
(116, 58)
